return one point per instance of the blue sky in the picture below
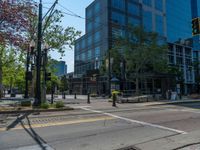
(78, 7)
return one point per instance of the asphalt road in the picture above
(162, 127)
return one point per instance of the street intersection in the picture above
(145, 126)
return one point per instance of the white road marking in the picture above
(136, 121)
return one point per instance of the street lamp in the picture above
(46, 47)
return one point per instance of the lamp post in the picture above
(27, 72)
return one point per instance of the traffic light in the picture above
(48, 76)
(195, 26)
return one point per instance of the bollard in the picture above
(51, 97)
(114, 100)
(74, 95)
(64, 95)
(88, 98)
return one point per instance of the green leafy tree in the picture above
(143, 54)
(117, 57)
(64, 83)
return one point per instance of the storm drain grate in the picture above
(129, 148)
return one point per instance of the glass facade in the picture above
(147, 2)
(108, 19)
(147, 20)
(160, 25)
(118, 18)
(178, 16)
(159, 4)
(118, 4)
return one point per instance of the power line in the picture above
(78, 16)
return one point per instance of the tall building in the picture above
(108, 19)
(60, 68)
(179, 18)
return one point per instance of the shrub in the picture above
(60, 104)
(26, 103)
(44, 106)
(93, 95)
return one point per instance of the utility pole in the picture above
(27, 71)
(38, 58)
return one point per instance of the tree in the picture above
(143, 53)
(18, 26)
(64, 83)
(13, 26)
(117, 58)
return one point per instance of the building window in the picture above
(97, 37)
(83, 44)
(133, 9)
(89, 41)
(77, 46)
(97, 21)
(97, 8)
(119, 4)
(179, 60)
(89, 54)
(97, 52)
(159, 25)
(147, 20)
(118, 18)
(89, 27)
(133, 21)
(89, 13)
(116, 33)
(159, 5)
(83, 56)
(148, 2)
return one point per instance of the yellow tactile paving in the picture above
(86, 120)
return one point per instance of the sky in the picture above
(78, 7)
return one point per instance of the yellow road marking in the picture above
(19, 127)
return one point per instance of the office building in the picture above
(108, 19)
(59, 68)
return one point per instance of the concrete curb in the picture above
(36, 110)
(176, 102)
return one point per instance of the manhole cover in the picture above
(129, 148)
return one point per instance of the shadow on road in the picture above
(33, 134)
(194, 105)
(28, 129)
(17, 121)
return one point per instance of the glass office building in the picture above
(108, 19)
(178, 15)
